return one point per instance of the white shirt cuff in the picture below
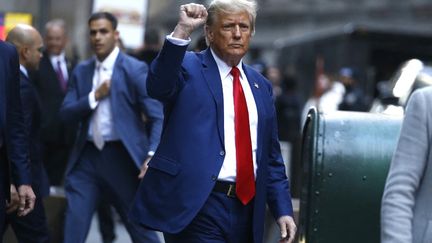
(92, 100)
(178, 41)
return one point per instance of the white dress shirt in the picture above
(229, 166)
(24, 70)
(63, 64)
(106, 124)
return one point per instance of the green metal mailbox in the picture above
(345, 157)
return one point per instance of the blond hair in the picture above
(232, 6)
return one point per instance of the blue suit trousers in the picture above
(111, 174)
(222, 219)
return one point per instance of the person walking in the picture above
(33, 227)
(219, 159)
(107, 96)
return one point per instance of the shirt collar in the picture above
(224, 69)
(109, 61)
(23, 70)
(55, 58)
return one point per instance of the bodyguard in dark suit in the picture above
(32, 227)
(51, 82)
(12, 136)
(107, 96)
(219, 161)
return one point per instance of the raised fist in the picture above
(191, 16)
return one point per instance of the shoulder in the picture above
(84, 65)
(9, 53)
(130, 63)
(423, 91)
(420, 97)
(128, 59)
(194, 56)
(7, 48)
(252, 73)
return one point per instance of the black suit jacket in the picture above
(51, 94)
(11, 122)
(31, 107)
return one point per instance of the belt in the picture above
(226, 187)
(107, 142)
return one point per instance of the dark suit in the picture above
(57, 136)
(114, 169)
(11, 127)
(186, 165)
(32, 227)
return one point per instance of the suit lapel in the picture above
(212, 77)
(116, 70)
(117, 80)
(88, 78)
(256, 92)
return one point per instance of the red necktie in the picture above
(245, 181)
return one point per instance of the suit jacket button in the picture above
(222, 153)
(214, 177)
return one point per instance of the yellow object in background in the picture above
(11, 19)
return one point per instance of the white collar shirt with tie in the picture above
(229, 166)
(102, 108)
(63, 65)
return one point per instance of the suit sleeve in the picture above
(165, 79)
(278, 197)
(74, 107)
(405, 174)
(15, 129)
(26, 103)
(151, 108)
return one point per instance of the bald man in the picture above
(32, 227)
(13, 155)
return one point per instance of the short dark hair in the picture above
(104, 15)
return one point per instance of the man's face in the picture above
(35, 52)
(103, 38)
(55, 40)
(229, 36)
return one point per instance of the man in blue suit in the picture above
(219, 161)
(12, 136)
(119, 130)
(32, 227)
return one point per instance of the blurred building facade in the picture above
(277, 19)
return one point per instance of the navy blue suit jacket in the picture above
(129, 102)
(183, 171)
(32, 119)
(11, 120)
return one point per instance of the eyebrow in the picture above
(99, 30)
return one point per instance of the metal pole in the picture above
(44, 14)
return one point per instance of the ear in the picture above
(24, 52)
(209, 33)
